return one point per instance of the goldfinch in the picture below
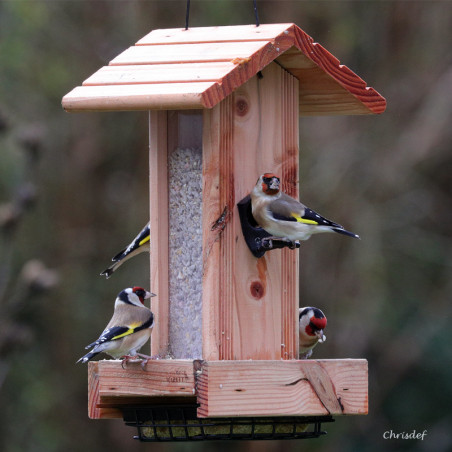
(138, 245)
(311, 322)
(129, 328)
(284, 216)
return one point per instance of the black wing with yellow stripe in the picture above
(118, 332)
(141, 239)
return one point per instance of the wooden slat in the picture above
(187, 53)
(163, 96)
(289, 178)
(244, 138)
(158, 197)
(217, 158)
(271, 388)
(214, 34)
(111, 386)
(162, 73)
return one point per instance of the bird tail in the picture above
(345, 232)
(88, 357)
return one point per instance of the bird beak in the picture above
(149, 295)
(321, 336)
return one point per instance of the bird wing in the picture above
(142, 238)
(288, 209)
(113, 333)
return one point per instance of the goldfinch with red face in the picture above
(129, 328)
(284, 216)
(139, 244)
(311, 323)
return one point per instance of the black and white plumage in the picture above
(139, 244)
(311, 323)
(283, 216)
(129, 328)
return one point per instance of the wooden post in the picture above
(249, 304)
(158, 196)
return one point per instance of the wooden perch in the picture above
(232, 388)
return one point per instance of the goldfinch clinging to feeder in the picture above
(138, 245)
(284, 216)
(129, 328)
(311, 322)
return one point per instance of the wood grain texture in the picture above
(112, 386)
(289, 177)
(158, 177)
(218, 205)
(160, 73)
(251, 132)
(198, 52)
(272, 388)
(214, 34)
(341, 74)
(157, 96)
(205, 65)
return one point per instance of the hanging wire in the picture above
(256, 15)
(187, 14)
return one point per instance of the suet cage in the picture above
(224, 106)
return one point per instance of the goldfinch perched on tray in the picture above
(284, 216)
(311, 323)
(139, 244)
(129, 328)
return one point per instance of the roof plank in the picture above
(160, 73)
(160, 96)
(188, 53)
(214, 34)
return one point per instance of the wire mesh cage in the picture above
(179, 423)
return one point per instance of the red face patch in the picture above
(140, 293)
(319, 323)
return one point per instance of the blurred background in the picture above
(74, 190)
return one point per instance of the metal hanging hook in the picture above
(187, 14)
(256, 15)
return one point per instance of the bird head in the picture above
(312, 322)
(134, 295)
(269, 183)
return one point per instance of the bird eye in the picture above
(139, 292)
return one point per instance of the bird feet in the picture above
(270, 243)
(126, 358)
(145, 359)
(140, 357)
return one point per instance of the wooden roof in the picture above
(198, 67)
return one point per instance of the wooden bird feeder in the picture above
(224, 105)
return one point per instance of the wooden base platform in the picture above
(231, 388)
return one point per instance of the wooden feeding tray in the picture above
(252, 388)
(224, 106)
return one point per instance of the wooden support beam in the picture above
(158, 197)
(249, 304)
(277, 388)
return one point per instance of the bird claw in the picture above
(126, 359)
(145, 359)
(270, 243)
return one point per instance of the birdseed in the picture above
(185, 253)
